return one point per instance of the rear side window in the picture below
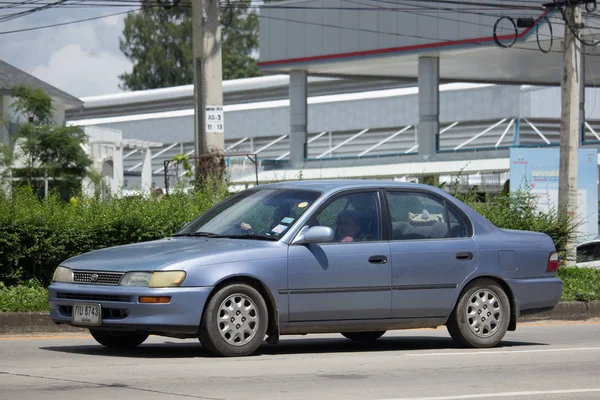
(586, 253)
(417, 216)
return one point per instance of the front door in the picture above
(350, 277)
(432, 254)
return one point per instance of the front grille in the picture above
(93, 297)
(97, 278)
(107, 313)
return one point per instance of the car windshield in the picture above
(262, 214)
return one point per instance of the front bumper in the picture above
(121, 309)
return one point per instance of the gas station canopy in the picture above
(385, 39)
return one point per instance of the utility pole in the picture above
(209, 125)
(569, 127)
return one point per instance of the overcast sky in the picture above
(82, 59)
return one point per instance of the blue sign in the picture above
(539, 169)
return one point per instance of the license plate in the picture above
(87, 314)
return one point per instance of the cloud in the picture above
(112, 21)
(82, 59)
(83, 73)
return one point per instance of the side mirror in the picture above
(316, 234)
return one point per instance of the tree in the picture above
(47, 150)
(159, 43)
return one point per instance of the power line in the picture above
(440, 17)
(67, 23)
(268, 17)
(440, 40)
(276, 6)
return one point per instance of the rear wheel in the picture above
(481, 316)
(363, 336)
(118, 340)
(234, 322)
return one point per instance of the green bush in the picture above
(28, 297)
(518, 211)
(580, 284)
(36, 235)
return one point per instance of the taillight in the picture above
(552, 262)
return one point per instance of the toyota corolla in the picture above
(352, 257)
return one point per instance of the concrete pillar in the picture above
(429, 106)
(146, 183)
(5, 111)
(298, 118)
(118, 167)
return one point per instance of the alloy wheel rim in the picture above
(484, 313)
(237, 319)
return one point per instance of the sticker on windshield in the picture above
(279, 228)
(303, 204)
(287, 220)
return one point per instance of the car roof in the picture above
(593, 241)
(328, 185)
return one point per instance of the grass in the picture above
(580, 284)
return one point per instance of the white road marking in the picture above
(503, 394)
(475, 352)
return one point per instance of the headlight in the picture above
(63, 274)
(136, 279)
(153, 279)
(167, 279)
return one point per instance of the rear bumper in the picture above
(121, 309)
(536, 295)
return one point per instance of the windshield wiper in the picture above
(198, 234)
(249, 236)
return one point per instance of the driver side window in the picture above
(353, 218)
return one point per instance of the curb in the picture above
(40, 322)
(31, 322)
(567, 311)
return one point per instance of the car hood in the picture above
(159, 254)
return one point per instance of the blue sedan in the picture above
(352, 257)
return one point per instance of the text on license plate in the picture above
(89, 314)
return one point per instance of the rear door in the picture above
(432, 253)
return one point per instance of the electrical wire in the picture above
(425, 8)
(260, 16)
(230, 9)
(67, 23)
(167, 4)
(516, 30)
(537, 36)
(568, 24)
(588, 8)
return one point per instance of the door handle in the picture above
(464, 256)
(378, 259)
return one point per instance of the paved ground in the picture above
(538, 361)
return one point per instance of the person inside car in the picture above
(348, 226)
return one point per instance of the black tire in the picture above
(118, 340)
(209, 332)
(459, 325)
(364, 336)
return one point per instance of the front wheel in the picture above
(234, 322)
(481, 316)
(118, 340)
(363, 336)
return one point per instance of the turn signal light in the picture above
(552, 262)
(155, 299)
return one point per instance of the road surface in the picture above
(538, 361)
